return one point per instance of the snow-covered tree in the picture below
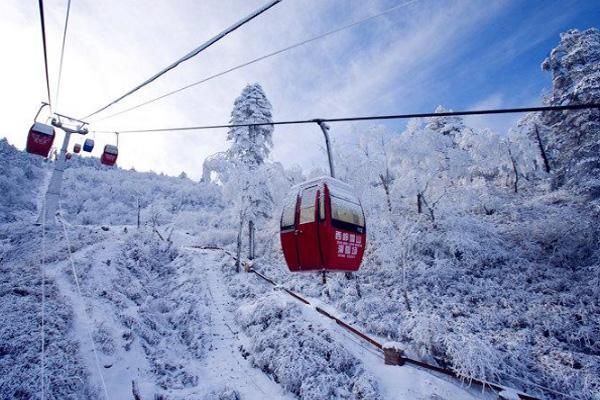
(250, 147)
(572, 138)
(429, 161)
(251, 144)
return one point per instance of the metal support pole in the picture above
(54, 188)
(325, 128)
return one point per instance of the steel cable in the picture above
(62, 54)
(372, 118)
(188, 56)
(261, 58)
(89, 331)
(43, 23)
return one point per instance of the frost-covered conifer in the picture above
(249, 149)
(572, 139)
(251, 144)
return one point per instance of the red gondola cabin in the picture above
(109, 156)
(323, 227)
(40, 139)
(76, 148)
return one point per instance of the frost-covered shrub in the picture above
(162, 312)
(301, 356)
(21, 175)
(103, 339)
(225, 393)
(20, 326)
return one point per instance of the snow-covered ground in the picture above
(186, 336)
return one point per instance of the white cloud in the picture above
(390, 64)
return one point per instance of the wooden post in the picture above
(393, 354)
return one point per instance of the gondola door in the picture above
(307, 231)
(288, 232)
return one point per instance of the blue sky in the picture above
(460, 54)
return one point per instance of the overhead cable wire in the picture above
(188, 56)
(62, 54)
(263, 57)
(568, 107)
(78, 286)
(43, 327)
(43, 23)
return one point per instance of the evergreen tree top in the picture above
(251, 144)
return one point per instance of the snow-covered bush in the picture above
(168, 313)
(303, 357)
(20, 325)
(21, 175)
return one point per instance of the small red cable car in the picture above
(68, 156)
(76, 148)
(109, 156)
(323, 227)
(40, 139)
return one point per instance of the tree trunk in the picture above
(139, 208)
(239, 246)
(386, 188)
(251, 242)
(542, 151)
(419, 203)
(515, 170)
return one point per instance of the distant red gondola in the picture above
(40, 139)
(68, 156)
(109, 156)
(323, 227)
(76, 148)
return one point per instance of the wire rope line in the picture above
(543, 388)
(43, 328)
(568, 107)
(76, 279)
(43, 24)
(263, 57)
(62, 54)
(190, 55)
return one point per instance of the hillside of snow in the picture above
(482, 257)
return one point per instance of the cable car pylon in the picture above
(48, 213)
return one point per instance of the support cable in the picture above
(568, 107)
(62, 54)
(43, 330)
(543, 388)
(261, 58)
(190, 55)
(43, 23)
(76, 279)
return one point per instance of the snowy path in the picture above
(395, 382)
(224, 363)
(120, 368)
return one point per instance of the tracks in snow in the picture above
(224, 362)
(395, 382)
